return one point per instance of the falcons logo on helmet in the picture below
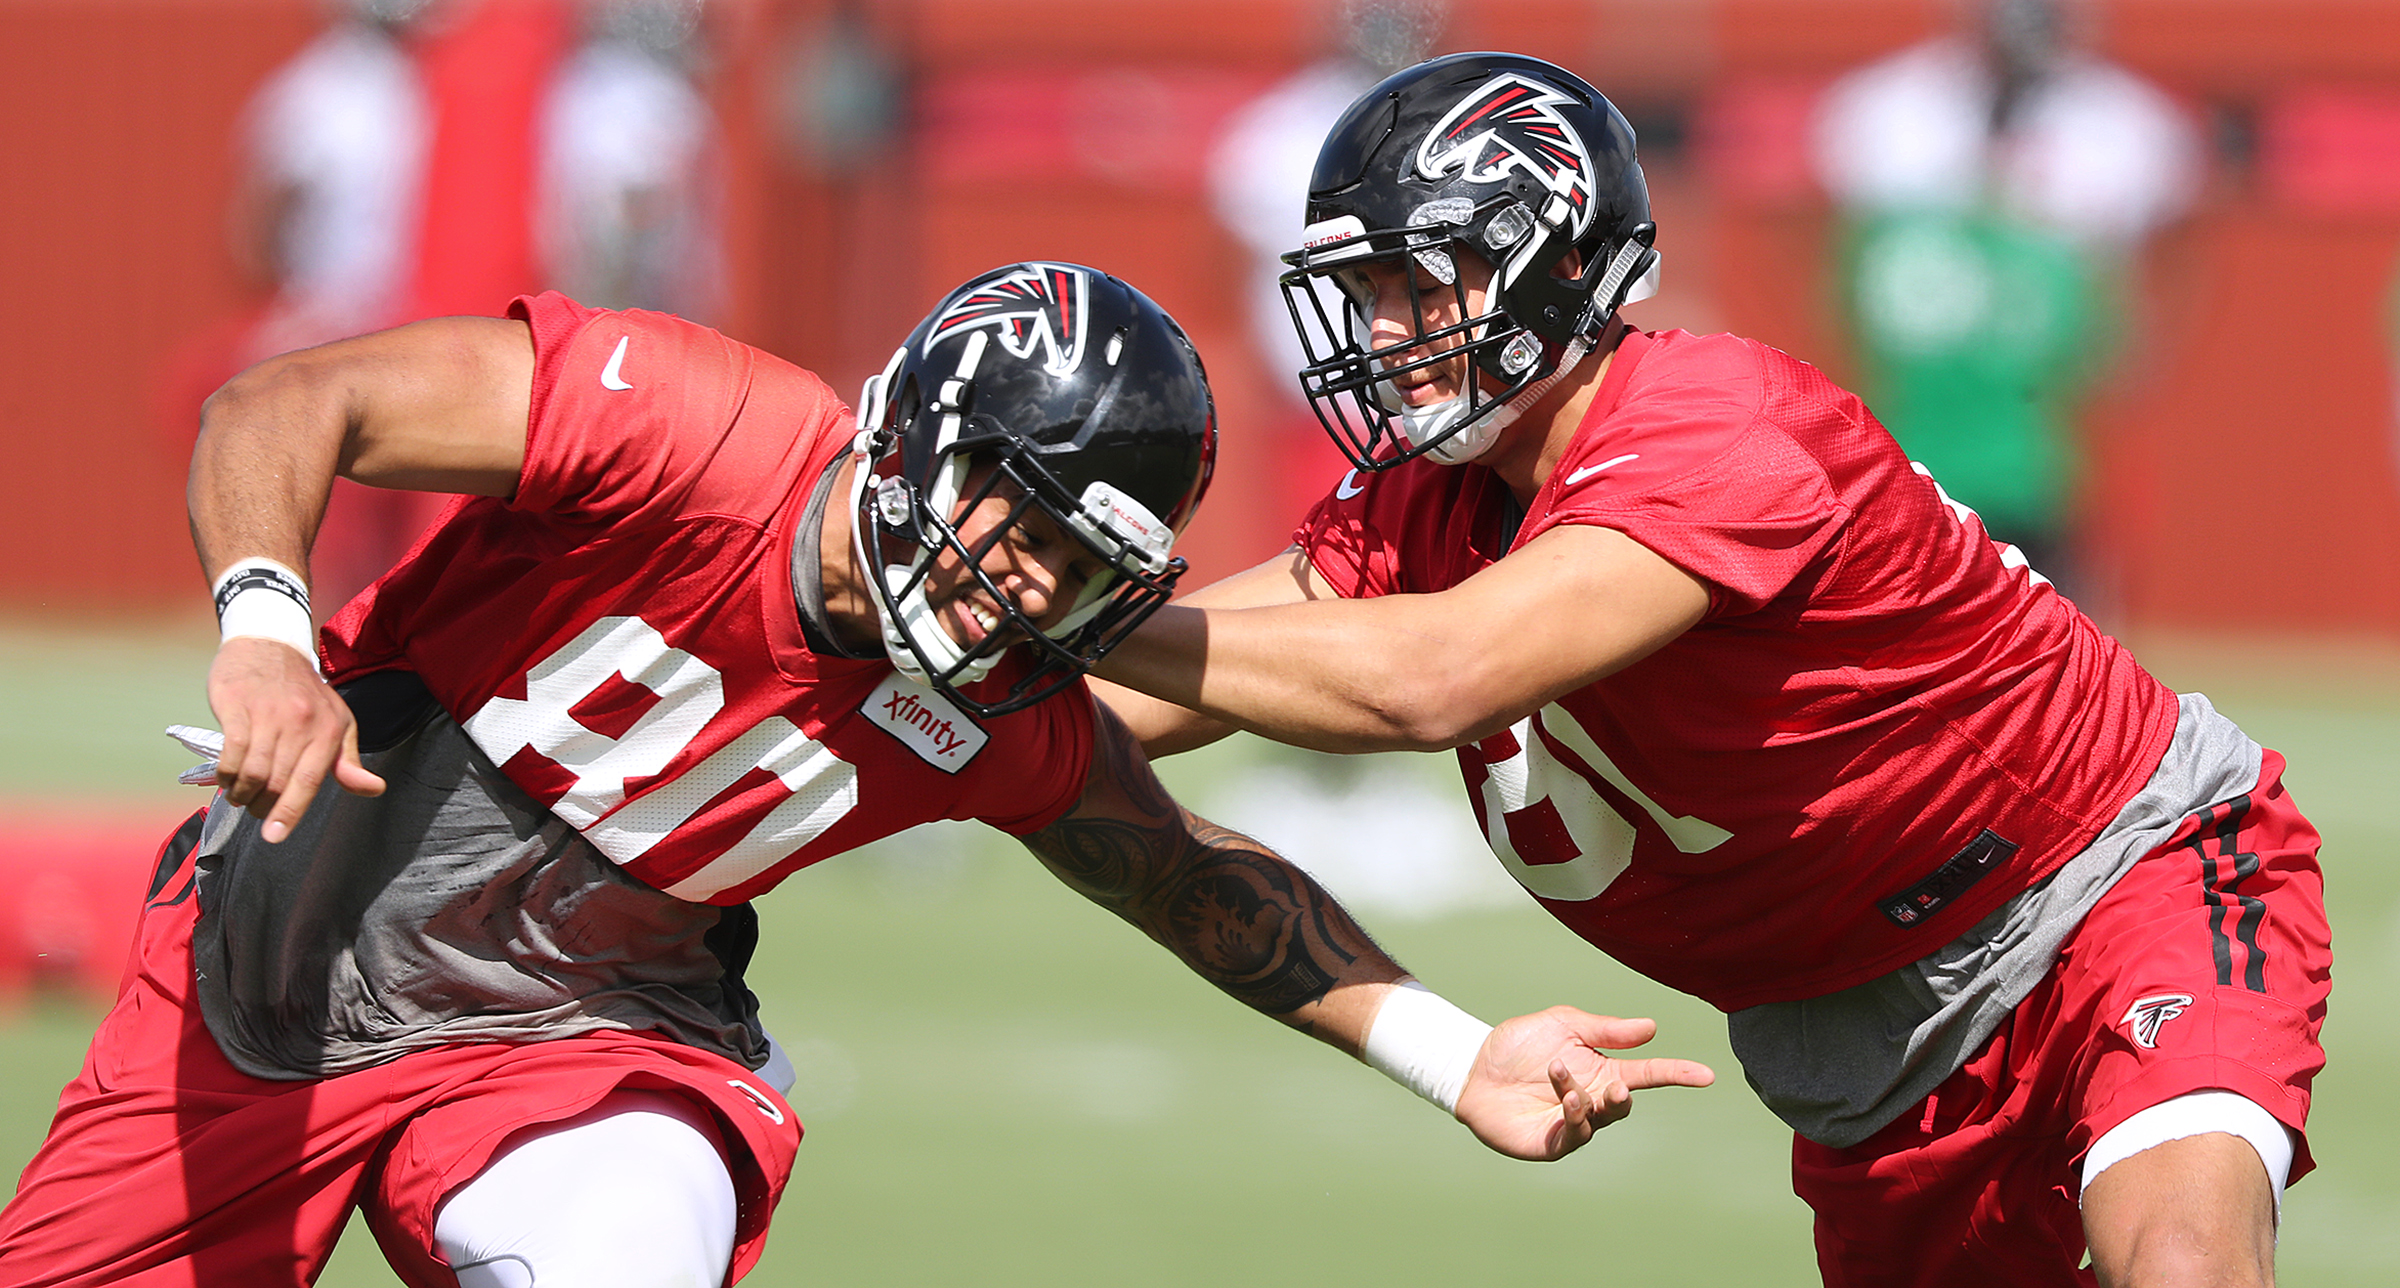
(1512, 123)
(1039, 306)
(2148, 1015)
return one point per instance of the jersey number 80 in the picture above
(690, 693)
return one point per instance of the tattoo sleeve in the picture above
(1238, 914)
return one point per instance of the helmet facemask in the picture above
(908, 515)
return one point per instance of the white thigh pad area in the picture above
(2194, 1114)
(632, 1193)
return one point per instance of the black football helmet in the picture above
(1509, 164)
(1090, 404)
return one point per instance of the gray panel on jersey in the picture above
(453, 908)
(1839, 1067)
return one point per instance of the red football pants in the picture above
(166, 1167)
(2206, 966)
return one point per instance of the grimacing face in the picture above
(1024, 552)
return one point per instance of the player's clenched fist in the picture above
(285, 731)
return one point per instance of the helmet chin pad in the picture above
(916, 630)
(1423, 425)
(1420, 425)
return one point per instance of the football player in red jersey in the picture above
(694, 626)
(2029, 950)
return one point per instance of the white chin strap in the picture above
(944, 652)
(916, 621)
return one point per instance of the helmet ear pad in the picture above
(1552, 306)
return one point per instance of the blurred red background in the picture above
(2243, 459)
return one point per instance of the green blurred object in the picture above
(1976, 336)
(1004, 1085)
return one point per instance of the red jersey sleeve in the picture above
(1344, 546)
(641, 417)
(1051, 745)
(1695, 465)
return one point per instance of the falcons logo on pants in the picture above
(2147, 1015)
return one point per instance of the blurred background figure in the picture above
(631, 179)
(430, 157)
(1258, 182)
(326, 218)
(327, 203)
(1995, 184)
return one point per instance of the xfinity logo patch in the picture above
(940, 734)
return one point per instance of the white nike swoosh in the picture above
(609, 379)
(1350, 487)
(1589, 470)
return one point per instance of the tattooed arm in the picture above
(1241, 916)
(1248, 921)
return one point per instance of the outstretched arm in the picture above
(1421, 672)
(435, 406)
(1259, 928)
(1165, 728)
(1240, 915)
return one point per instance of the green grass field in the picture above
(1004, 1085)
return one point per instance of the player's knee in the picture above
(2184, 1251)
(631, 1195)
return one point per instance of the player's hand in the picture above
(1543, 1083)
(286, 731)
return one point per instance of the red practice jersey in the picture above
(621, 636)
(1883, 728)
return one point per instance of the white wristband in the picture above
(1424, 1043)
(266, 600)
